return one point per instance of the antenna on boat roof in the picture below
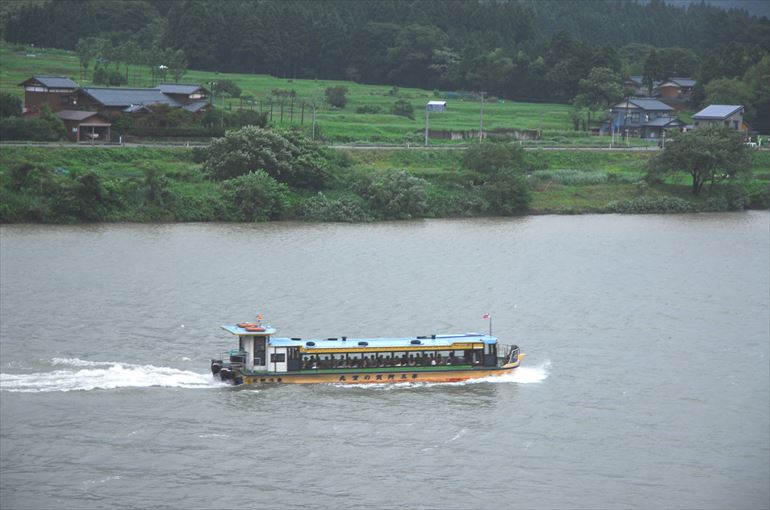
(488, 316)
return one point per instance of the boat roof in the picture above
(237, 330)
(386, 342)
(437, 341)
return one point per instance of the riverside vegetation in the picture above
(257, 174)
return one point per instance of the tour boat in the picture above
(263, 358)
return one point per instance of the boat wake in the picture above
(522, 375)
(82, 375)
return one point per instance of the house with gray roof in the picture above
(647, 118)
(675, 92)
(185, 93)
(62, 93)
(730, 115)
(122, 100)
(57, 92)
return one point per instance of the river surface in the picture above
(646, 383)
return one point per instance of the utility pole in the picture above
(313, 130)
(481, 116)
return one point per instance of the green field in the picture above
(339, 126)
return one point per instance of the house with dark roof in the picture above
(675, 88)
(730, 115)
(636, 83)
(83, 125)
(58, 92)
(185, 93)
(122, 100)
(674, 91)
(647, 118)
(61, 93)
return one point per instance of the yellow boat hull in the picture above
(348, 376)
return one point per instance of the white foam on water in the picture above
(522, 375)
(92, 375)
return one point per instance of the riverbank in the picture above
(140, 184)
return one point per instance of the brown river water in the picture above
(646, 382)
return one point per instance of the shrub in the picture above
(571, 177)
(393, 194)
(489, 157)
(368, 109)
(650, 205)
(112, 78)
(321, 208)
(10, 105)
(403, 108)
(39, 129)
(759, 195)
(507, 193)
(336, 96)
(460, 201)
(286, 155)
(733, 196)
(226, 87)
(254, 196)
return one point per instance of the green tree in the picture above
(708, 155)
(177, 64)
(729, 91)
(506, 192)
(10, 105)
(254, 196)
(286, 155)
(491, 72)
(86, 50)
(653, 70)
(490, 157)
(412, 54)
(403, 108)
(394, 194)
(758, 78)
(226, 87)
(337, 96)
(599, 90)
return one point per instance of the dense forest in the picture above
(519, 49)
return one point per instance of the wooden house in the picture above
(85, 125)
(57, 92)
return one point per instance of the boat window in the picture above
(277, 358)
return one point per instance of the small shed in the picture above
(82, 125)
(436, 106)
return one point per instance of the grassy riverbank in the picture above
(57, 185)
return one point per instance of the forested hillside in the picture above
(520, 49)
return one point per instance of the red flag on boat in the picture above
(486, 316)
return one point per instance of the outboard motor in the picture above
(514, 356)
(216, 366)
(226, 373)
